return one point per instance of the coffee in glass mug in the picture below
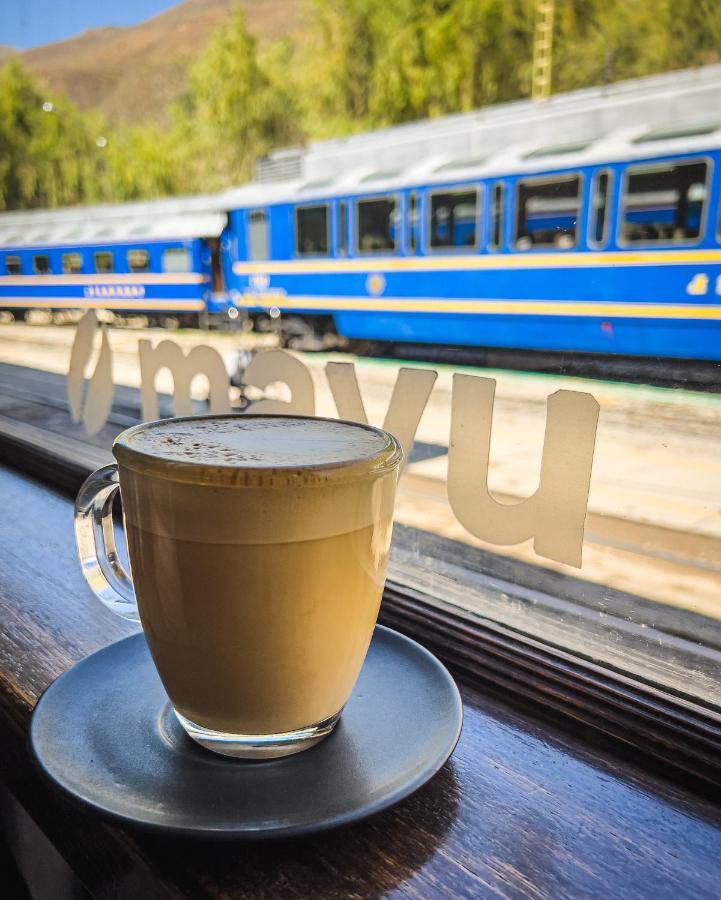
(258, 548)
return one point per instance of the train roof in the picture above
(527, 158)
(173, 218)
(661, 115)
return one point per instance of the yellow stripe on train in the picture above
(453, 263)
(600, 309)
(122, 278)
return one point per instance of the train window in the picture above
(664, 203)
(413, 221)
(257, 234)
(138, 260)
(377, 225)
(454, 219)
(13, 265)
(598, 223)
(547, 212)
(72, 263)
(342, 228)
(41, 264)
(176, 259)
(497, 216)
(311, 230)
(103, 261)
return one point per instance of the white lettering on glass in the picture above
(200, 360)
(92, 409)
(554, 516)
(277, 365)
(409, 398)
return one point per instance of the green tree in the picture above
(145, 162)
(236, 108)
(378, 62)
(49, 153)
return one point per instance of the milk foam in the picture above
(258, 442)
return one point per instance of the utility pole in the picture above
(542, 50)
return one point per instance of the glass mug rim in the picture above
(373, 465)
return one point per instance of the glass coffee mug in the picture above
(258, 548)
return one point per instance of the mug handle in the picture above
(95, 538)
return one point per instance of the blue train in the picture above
(589, 225)
(159, 259)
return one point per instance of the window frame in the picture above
(395, 197)
(111, 254)
(413, 222)
(342, 228)
(663, 164)
(490, 245)
(77, 253)
(475, 187)
(188, 253)
(323, 204)
(607, 232)
(46, 256)
(567, 175)
(249, 212)
(128, 265)
(13, 256)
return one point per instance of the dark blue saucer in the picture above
(105, 734)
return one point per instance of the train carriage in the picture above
(573, 233)
(159, 259)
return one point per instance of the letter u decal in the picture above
(554, 516)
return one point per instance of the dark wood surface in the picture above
(522, 810)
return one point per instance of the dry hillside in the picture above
(131, 74)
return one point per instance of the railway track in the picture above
(697, 375)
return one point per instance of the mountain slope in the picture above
(131, 74)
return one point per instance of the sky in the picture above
(28, 23)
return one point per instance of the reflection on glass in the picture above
(453, 219)
(599, 218)
(311, 230)
(664, 203)
(377, 225)
(547, 213)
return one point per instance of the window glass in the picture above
(377, 226)
(664, 203)
(257, 234)
(412, 222)
(176, 259)
(13, 265)
(547, 213)
(41, 264)
(453, 219)
(599, 203)
(311, 230)
(72, 263)
(521, 334)
(103, 261)
(497, 216)
(138, 260)
(342, 228)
